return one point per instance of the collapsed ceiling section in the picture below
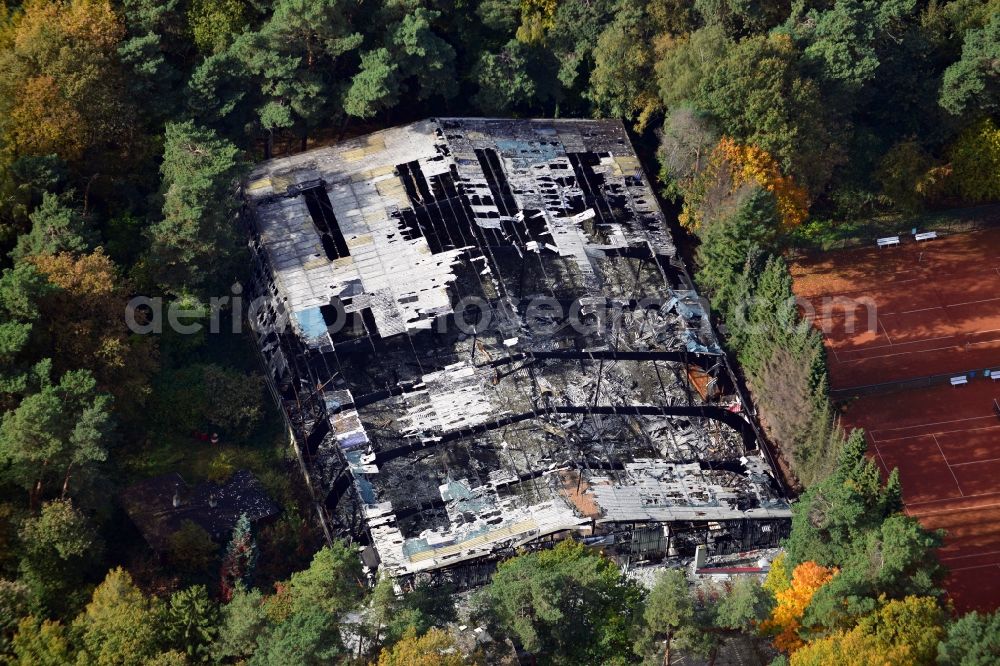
(482, 335)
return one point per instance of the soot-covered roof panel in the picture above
(494, 323)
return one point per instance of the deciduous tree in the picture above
(242, 621)
(83, 325)
(904, 631)
(120, 626)
(786, 618)
(434, 648)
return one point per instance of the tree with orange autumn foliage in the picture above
(750, 164)
(786, 618)
(731, 168)
(85, 326)
(62, 89)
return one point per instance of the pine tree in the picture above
(240, 558)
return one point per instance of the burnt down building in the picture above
(483, 338)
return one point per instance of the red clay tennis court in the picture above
(945, 441)
(906, 311)
(922, 310)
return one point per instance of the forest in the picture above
(125, 128)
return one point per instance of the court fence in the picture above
(976, 374)
(826, 236)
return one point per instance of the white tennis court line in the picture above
(982, 300)
(975, 462)
(977, 507)
(902, 353)
(879, 454)
(965, 557)
(921, 351)
(982, 342)
(932, 423)
(941, 432)
(903, 312)
(945, 458)
(975, 566)
(878, 320)
(911, 342)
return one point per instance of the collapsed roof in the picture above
(482, 334)
(160, 506)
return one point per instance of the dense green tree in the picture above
(120, 625)
(59, 546)
(54, 440)
(907, 567)
(422, 56)
(375, 87)
(152, 53)
(56, 226)
(519, 78)
(972, 640)
(726, 243)
(670, 619)
(331, 583)
(219, 94)
(197, 231)
(499, 16)
(21, 289)
(687, 60)
(191, 622)
(242, 621)
(575, 31)
(423, 607)
(622, 82)
(294, 61)
(843, 509)
(845, 39)
(759, 97)
(23, 183)
(743, 17)
(567, 605)
(214, 25)
(743, 606)
(310, 636)
(973, 83)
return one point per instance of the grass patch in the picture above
(826, 235)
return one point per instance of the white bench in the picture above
(995, 375)
(958, 381)
(927, 235)
(888, 240)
